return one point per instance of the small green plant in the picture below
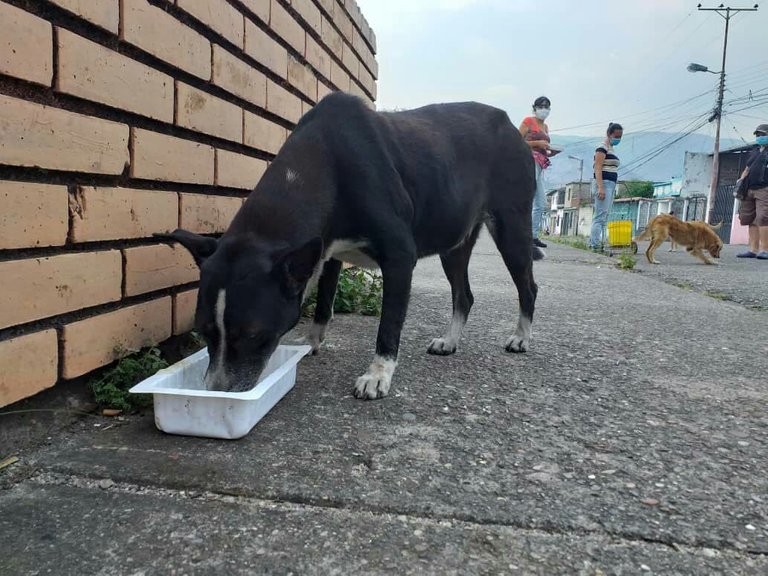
(626, 261)
(716, 295)
(111, 390)
(358, 290)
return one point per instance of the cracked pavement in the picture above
(631, 439)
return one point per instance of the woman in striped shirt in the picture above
(604, 183)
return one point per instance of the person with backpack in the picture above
(752, 190)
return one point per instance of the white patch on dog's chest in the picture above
(349, 251)
(345, 250)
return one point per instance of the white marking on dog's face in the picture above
(218, 377)
(376, 381)
(291, 176)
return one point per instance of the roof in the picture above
(736, 149)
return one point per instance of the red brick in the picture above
(219, 16)
(339, 77)
(329, 6)
(354, 12)
(344, 23)
(263, 134)
(322, 91)
(26, 45)
(350, 60)
(157, 32)
(238, 170)
(331, 38)
(37, 135)
(284, 25)
(90, 71)
(118, 213)
(198, 110)
(238, 77)
(282, 103)
(30, 364)
(103, 13)
(32, 215)
(367, 80)
(206, 214)
(149, 268)
(318, 57)
(97, 341)
(42, 287)
(160, 157)
(308, 12)
(357, 90)
(265, 50)
(259, 7)
(184, 305)
(302, 78)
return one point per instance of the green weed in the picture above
(358, 291)
(111, 390)
(626, 261)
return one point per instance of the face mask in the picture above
(541, 113)
(762, 140)
(615, 141)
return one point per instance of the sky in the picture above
(598, 61)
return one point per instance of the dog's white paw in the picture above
(442, 347)
(315, 337)
(376, 382)
(655, 262)
(517, 344)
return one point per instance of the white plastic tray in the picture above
(183, 406)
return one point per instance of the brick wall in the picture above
(121, 118)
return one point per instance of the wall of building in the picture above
(122, 118)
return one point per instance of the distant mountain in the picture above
(666, 165)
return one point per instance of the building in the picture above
(697, 174)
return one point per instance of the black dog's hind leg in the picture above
(455, 264)
(326, 294)
(397, 271)
(511, 233)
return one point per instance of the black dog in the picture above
(381, 189)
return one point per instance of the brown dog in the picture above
(695, 236)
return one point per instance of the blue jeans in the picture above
(539, 202)
(600, 213)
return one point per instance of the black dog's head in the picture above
(250, 296)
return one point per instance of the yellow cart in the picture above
(620, 235)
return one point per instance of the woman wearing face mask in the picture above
(604, 183)
(753, 209)
(536, 134)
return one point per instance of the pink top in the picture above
(536, 133)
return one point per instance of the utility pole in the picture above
(725, 12)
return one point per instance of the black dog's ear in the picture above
(298, 266)
(201, 247)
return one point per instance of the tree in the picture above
(637, 189)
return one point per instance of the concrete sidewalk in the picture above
(631, 439)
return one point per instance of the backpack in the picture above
(758, 170)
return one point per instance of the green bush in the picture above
(111, 390)
(637, 189)
(626, 261)
(358, 291)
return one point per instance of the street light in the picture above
(716, 115)
(581, 171)
(700, 68)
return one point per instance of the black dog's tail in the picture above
(537, 253)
